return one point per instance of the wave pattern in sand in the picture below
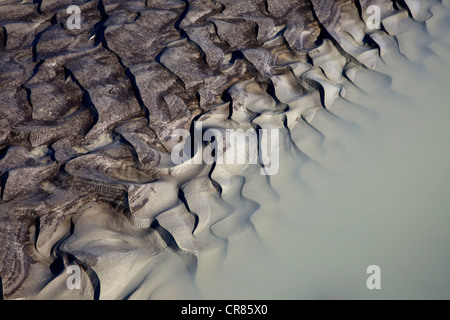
(87, 118)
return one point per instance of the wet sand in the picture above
(362, 181)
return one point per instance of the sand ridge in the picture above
(89, 116)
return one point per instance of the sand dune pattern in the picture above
(87, 116)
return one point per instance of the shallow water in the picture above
(372, 188)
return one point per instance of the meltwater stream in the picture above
(371, 188)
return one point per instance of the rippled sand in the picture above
(362, 181)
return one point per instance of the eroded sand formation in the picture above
(87, 116)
